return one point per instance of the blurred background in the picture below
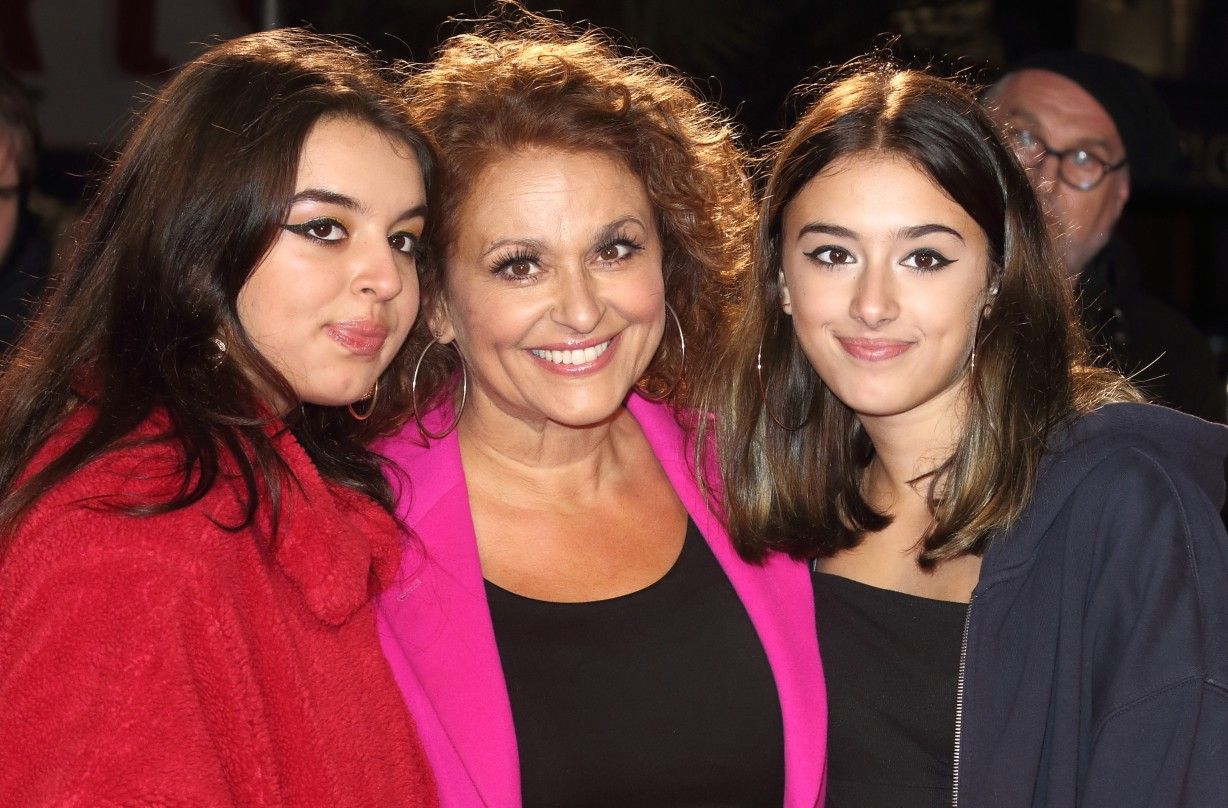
(90, 63)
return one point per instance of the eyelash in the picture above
(940, 260)
(304, 229)
(621, 240)
(502, 264)
(814, 255)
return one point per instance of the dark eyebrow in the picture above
(923, 230)
(603, 235)
(1015, 112)
(416, 212)
(825, 229)
(531, 243)
(327, 198)
(610, 231)
(349, 203)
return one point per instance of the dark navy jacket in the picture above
(1097, 659)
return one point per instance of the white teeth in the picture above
(577, 356)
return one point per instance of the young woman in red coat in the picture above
(191, 527)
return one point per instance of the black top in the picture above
(659, 697)
(891, 662)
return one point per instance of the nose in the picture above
(874, 302)
(578, 306)
(376, 270)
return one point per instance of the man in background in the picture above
(1089, 129)
(25, 254)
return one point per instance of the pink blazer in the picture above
(436, 631)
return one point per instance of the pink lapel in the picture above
(437, 634)
(780, 602)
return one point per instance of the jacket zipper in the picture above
(959, 705)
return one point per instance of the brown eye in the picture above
(404, 243)
(318, 229)
(926, 260)
(831, 255)
(520, 269)
(616, 251)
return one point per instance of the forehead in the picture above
(538, 187)
(344, 147)
(1057, 105)
(873, 193)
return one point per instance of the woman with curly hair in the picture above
(1019, 568)
(577, 629)
(193, 526)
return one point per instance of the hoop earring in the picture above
(767, 406)
(413, 395)
(370, 407)
(681, 361)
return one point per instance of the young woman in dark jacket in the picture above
(1021, 578)
(191, 527)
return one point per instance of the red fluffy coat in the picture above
(166, 661)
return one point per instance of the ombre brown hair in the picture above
(519, 81)
(792, 454)
(194, 201)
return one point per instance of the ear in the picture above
(440, 322)
(786, 302)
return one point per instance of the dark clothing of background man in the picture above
(23, 274)
(1153, 343)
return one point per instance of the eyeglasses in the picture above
(1077, 167)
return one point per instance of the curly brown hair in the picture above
(518, 81)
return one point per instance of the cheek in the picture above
(485, 323)
(815, 300)
(407, 303)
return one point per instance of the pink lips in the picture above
(361, 337)
(873, 350)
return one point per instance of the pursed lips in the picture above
(873, 350)
(361, 337)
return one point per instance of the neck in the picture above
(909, 446)
(543, 457)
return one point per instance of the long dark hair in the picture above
(190, 207)
(792, 454)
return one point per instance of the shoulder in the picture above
(1134, 468)
(1120, 476)
(423, 471)
(1181, 444)
(81, 521)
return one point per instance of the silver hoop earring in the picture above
(763, 396)
(413, 395)
(681, 362)
(370, 407)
